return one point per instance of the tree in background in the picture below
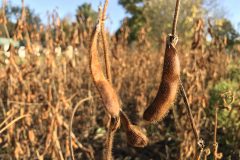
(224, 28)
(160, 14)
(138, 19)
(85, 13)
(14, 12)
(157, 15)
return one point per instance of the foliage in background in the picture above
(85, 12)
(226, 95)
(138, 19)
(224, 28)
(156, 16)
(159, 13)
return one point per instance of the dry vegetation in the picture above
(42, 84)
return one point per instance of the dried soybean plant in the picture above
(104, 87)
(170, 78)
(135, 136)
(112, 125)
(44, 91)
(170, 81)
(105, 43)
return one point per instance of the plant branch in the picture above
(200, 142)
(105, 43)
(185, 99)
(70, 125)
(175, 19)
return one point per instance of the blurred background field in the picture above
(44, 74)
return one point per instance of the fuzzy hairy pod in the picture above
(168, 87)
(104, 87)
(135, 137)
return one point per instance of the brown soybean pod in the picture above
(105, 89)
(168, 87)
(135, 137)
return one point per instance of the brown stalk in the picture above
(105, 43)
(103, 85)
(200, 154)
(175, 19)
(70, 127)
(185, 99)
(199, 141)
(113, 126)
(182, 90)
(215, 143)
(6, 119)
(207, 152)
(215, 134)
(107, 152)
(12, 122)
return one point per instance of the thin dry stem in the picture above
(175, 19)
(109, 143)
(12, 122)
(57, 144)
(125, 121)
(70, 125)
(215, 143)
(215, 126)
(199, 156)
(105, 43)
(200, 142)
(207, 152)
(185, 99)
(110, 132)
(6, 119)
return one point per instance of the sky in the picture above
(115, 11)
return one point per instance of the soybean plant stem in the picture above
(183, 93)
(105, 43)
(185, 99)
(110, 133)
(71, 123)
(175, 19)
